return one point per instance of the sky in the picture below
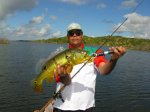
(43, 19)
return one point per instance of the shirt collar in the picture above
(71, 46)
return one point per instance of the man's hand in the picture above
(118, 52)
(106, 68)
(62, 73)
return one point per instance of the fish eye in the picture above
(35, 82)
(44, 68)
(67, 57)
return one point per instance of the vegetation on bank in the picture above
(3, 41)
(129, 43)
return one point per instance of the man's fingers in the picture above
(119, 51)
(116, 51)
(55, 72)
(60, 70)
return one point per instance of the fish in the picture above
(67, 58)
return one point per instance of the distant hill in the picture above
(129, 43)
(3, 41)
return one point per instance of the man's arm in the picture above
(106, 68)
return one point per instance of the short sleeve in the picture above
(99, 59)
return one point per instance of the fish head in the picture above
(38, 82)
(79, 56)
(37, 86)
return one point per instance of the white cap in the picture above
(73, 26)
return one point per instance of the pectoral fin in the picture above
(50, 79)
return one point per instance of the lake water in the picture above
(126, 89)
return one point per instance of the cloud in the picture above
(33, 32)
(76, 2)
(53, 18)
(27, 31)
(4, 28)
(136, 25)
(9, 7)
(128, 4)
(37, 20)
(45, 30)
(101, 6)
(56, 34)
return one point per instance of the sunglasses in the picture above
(77, 32)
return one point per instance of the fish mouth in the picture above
(38, 87)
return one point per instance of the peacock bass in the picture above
(68, 58)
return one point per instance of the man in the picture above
(78, 95)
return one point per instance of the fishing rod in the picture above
(110, 52)
(58, 93)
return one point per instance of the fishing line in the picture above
(121, 24)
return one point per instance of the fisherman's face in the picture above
(75, 37)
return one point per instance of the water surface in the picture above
(126, 89)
